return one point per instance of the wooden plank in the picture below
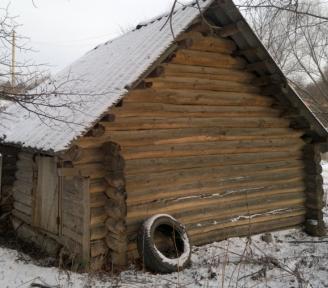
(22, 207)
(46, 210)
(72, 235)
(22, 197)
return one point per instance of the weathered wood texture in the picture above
(201, 142)
(7, 177)
(23, 188)
(314, 189)
(45, 208)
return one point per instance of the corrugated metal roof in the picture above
(92, 84)
(99, 79)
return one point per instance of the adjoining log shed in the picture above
(204, 127)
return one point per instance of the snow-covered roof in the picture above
(102, 77)
(92, 84)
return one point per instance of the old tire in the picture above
(161, 261)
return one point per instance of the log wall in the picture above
(197, 139)
(201, 142)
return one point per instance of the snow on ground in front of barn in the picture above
(292, 259)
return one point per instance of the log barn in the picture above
(193, 119)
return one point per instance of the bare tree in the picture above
(35, 91)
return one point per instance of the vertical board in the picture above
(46, 201)
(75, 214)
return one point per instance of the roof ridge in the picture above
(165, 14)
(147, 22)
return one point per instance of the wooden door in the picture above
(46, 210)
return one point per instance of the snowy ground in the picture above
(291, 259)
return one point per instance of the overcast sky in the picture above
(62, 30)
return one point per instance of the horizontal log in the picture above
(234, 75)
(92, 170)
(244, 211)
(176, 205)
(203, 188)
(115, 194)
(116, 226)
(260, 219)
(115, 211)
(119, 246)
(211, 148)
(98, 247)
(232, 211)
(197, 97)
(199, 135)
(183, 175)
(144, 109)
(248, 229)
(91, 142)
(209, 43)
(98, 232)
(143, 123)
(149, 165)
(97, 186)
(194, 83)
(97, 199)
(98, 215)
(209, 59)
(88, 155)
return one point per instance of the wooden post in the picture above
(314, 224)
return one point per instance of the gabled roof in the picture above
(103, 76)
